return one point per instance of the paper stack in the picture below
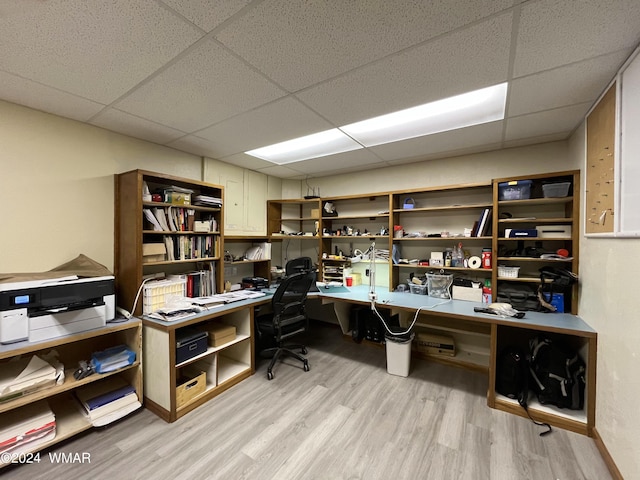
(24, 428)
(108, 400)
(24, 376)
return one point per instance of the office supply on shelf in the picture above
(148, 214)
(107, 400)
(113, 358)
(27, 427)
(25, 375)
(174, 314)
(223, 298)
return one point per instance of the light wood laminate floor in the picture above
(345, 419)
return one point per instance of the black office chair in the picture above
(298, 265)
(287, 319)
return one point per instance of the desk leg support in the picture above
(493, 358)
(343, 313)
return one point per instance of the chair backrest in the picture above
(298, 265)
(290, 297)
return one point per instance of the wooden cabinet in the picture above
(237, 265)
(70, 419)
(434, 220)
(293, 225)
(517, 258)
(190, 238)
(567, 329)
(177, 387)
(359, 221)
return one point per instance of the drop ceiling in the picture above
(219, 78)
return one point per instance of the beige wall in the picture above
(56, 177)
(608, 275)
(548, 157)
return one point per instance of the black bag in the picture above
(521, 297)
(558, 374)
(554, 280)
(512, 375)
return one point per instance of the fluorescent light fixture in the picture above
(472, 108)
(303, 148)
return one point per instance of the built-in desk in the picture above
(479, 339)
(224, 365)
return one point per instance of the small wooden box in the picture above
(435, 344)
(220, 333)
(315, 212)
(154, 252)
(190, 385)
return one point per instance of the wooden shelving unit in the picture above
(224, 366)
(132, 231)
(69, 414)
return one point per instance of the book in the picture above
(98, 394)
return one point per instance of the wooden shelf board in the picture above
(244, 262)
(534, 259)
(443, 208)
(442, 239)
(178, 232)
(69, 384)
(372, 216)
(462, 269)
(200, 208)
(239, 338)
(541, 221)
(537, 201)
(534, 239)
(536, 407)
(190, 260)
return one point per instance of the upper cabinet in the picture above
(246, 197)
(169, 225)
(535, 225)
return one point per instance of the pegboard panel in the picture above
(600, 170)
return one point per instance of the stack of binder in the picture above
(107, 400)
(25, 428)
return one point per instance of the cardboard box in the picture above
(191, 384)
(153, 252)
(220, 333)
(557, 231)
(467, 293)
(315, 212)
(435, 344)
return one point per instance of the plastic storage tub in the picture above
(418, 289)
(556, 189)
(516, 190)
(508, 272)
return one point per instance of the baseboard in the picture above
(606, 456)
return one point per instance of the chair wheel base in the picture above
(269, 376)
(306, 366)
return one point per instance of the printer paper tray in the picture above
(55, 325)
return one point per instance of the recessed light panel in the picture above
(316, 145)
(472, 108)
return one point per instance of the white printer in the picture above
(39, 310)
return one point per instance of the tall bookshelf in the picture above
(199, 250)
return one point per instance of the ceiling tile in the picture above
(557, 32)
(246, 161)
(299, 43)
(575, 83)
(282, 172)
(195, 145)
(523, 142)
(41, 97)
(122, 122)
(94, 49)
(206, 86)
(563, 119)
(419, 75)
(272, 123)
(441, 142)
(206, 14)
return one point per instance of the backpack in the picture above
(557, 374)
(559, 280)
(512, 374)
(521, 297)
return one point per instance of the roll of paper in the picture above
(475, 262)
